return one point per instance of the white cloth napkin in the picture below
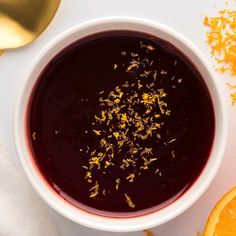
(22, 212)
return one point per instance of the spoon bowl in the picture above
(22, 21)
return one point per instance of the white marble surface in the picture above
(186, 17)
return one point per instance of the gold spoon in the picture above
(22, 21)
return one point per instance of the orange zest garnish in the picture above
(221, 37)
(233, 97)
(232, 86)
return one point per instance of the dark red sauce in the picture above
(121, 122)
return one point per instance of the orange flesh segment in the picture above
(222, 220)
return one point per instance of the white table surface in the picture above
(186, 17)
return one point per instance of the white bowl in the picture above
(112, 223)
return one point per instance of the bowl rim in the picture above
(133, 223)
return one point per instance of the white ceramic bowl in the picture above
(112, 223)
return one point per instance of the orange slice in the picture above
(222, 220)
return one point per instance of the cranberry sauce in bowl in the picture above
(120, 121)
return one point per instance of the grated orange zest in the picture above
(221, 37)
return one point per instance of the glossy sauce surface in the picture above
(121, 122)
